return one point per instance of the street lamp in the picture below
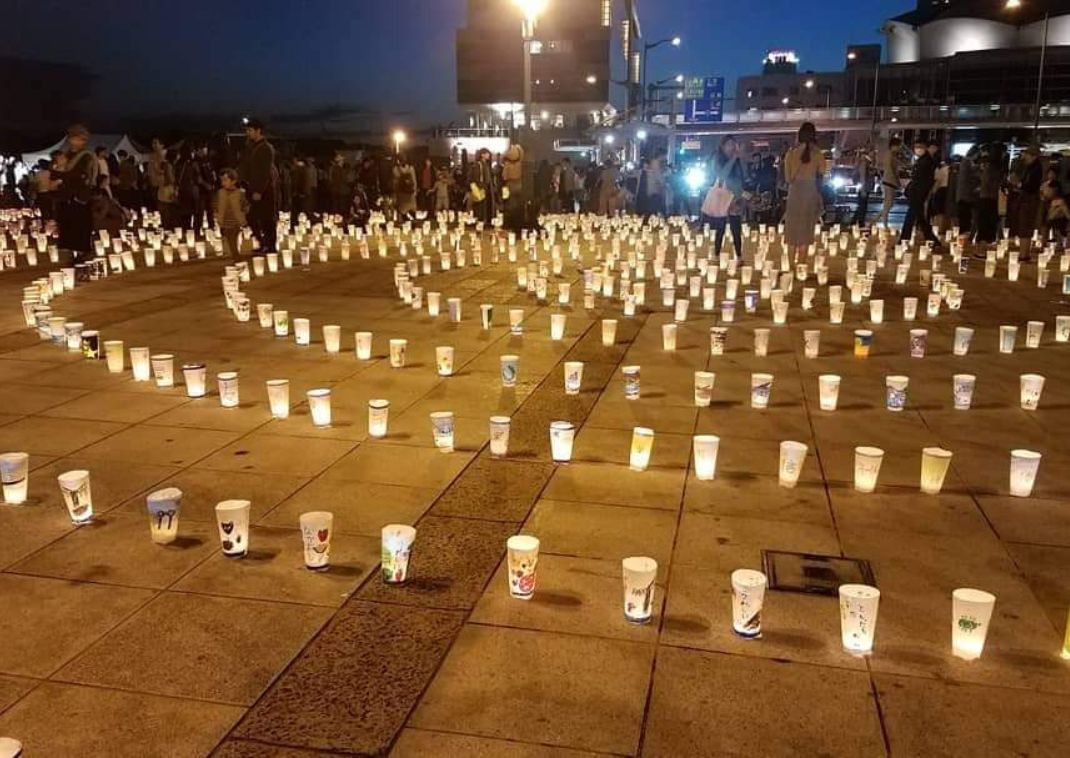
(531, 9)
(1013, 5)
(592, 79)
(399, 138)
(647, 47)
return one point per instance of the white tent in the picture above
(114, 143)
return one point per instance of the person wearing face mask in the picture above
(922, 180)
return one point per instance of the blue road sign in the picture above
(704, 100)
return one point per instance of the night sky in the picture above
(396, 56)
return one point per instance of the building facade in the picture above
(782, 85)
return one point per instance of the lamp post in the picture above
(647, 47)
(399, 139)
(531, 9)
(1013, 5)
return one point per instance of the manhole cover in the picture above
(812, 573)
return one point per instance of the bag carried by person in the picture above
(478, 193)
(718, 201)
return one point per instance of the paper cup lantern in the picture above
(609, 332)
(194, 375)
(863, 342)
(748, 598)
(1024, 467)
(363, 345)
(761, 387)
(1034, 330)
(499, 436)
(509, 366)
(1007, 337)
(876, 311)
(792, 458)
(516, 321)
(15, 477)
(397, 541)
(319, 406)
(1031, 386)
(867, 468)
(963, 338)
(442, 430)
(935, 462)
(265, 315)
(705, 449)
(562, 434)
(640, 576)
(523, 560)
(761, 342)
(434, 304)
(278, 391)
(140, 364)
(642, 446)
(858, 617)
(829, 391)
(918, 340)
(971, 613)
(228, 389)
(444, 360)
(486, 315)
(164, 506)
(282, 323)
(704, 381)
(668, 336)
(163, 370)
(398, 348)
(232, 518)
(812, 343)
(962, 388)
(77, 496)
(332, 338)
(896, 392)
(632, 386)
(557, 326)
(378, 417)
(317, 528)
(573, 377)
(718, 340)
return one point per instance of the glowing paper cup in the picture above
(444, 360)
(934, 465)
(77, 496)
(332, 338)
(631, 376)
(499, 436)
(918, 340)
(398, 348)
(705, 449)
(397, 542)
(896, 392)
(761, 342)
(378, 417)
(863, 342)
(523, 560)
(363, 345)
(562, 434)
(194, 376)
(640, 576)
(1024, 467)
(509, 365)
(962, 386)
(963, 337)
(1031, 386)
(748, 597)
(668, 336)
(971, 612)
(164, 506)
(858, 617)
(1007, 337)
(316, 531)
(278, 391)
(319, 406)
(282, 323)
(792, 458)
(642, 446)
(573, 377)
(442, 430)
(229, 396)
(761, 387)
(812, 343)
(232, 518)
(829, 391)
(163, 370)
(704, 381)
(609, 332)
(557, 326)
(867, 467)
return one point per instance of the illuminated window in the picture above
(607, 12)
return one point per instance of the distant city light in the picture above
(679, 78)
(809, 84)
(676, 41)
(592, 79)
(852, 55)
(609, 139)
(641, 134)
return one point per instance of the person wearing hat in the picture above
(76, 182)
(261, 178)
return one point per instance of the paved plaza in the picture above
(111, 645)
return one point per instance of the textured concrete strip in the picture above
(496, 490)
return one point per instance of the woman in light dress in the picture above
(804, 169)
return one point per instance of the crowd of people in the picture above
(196, 184)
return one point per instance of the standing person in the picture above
(43, 184)
(482, 192)
(129, 173)
(441, 189)
(513, 187)
(941, 180)
(106, 211)
(544, 179)
(968, 192)
(304, 181)
(258, 172)
(922, 180)
(230, 211)
(1029, 194)
(405, 188)
(77, 181)
(804, 167)
(368, 178)
(728, 176)
(608, 191)
(427, 182)
(567, 186)
(203, 209)
(990, 180)
(889, 180)
(189, 190)
(167, 192)
(340, 187)
(656, 181)
(154, 173)
(864, 175)
(103, 167)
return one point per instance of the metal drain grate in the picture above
(812, 573)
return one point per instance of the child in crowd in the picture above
(231, 207)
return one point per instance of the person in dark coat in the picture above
(258, 173)
(922, 179)
(483, 189)
(368, 178)
(340, 186)
(205, 176)
(77, 182)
